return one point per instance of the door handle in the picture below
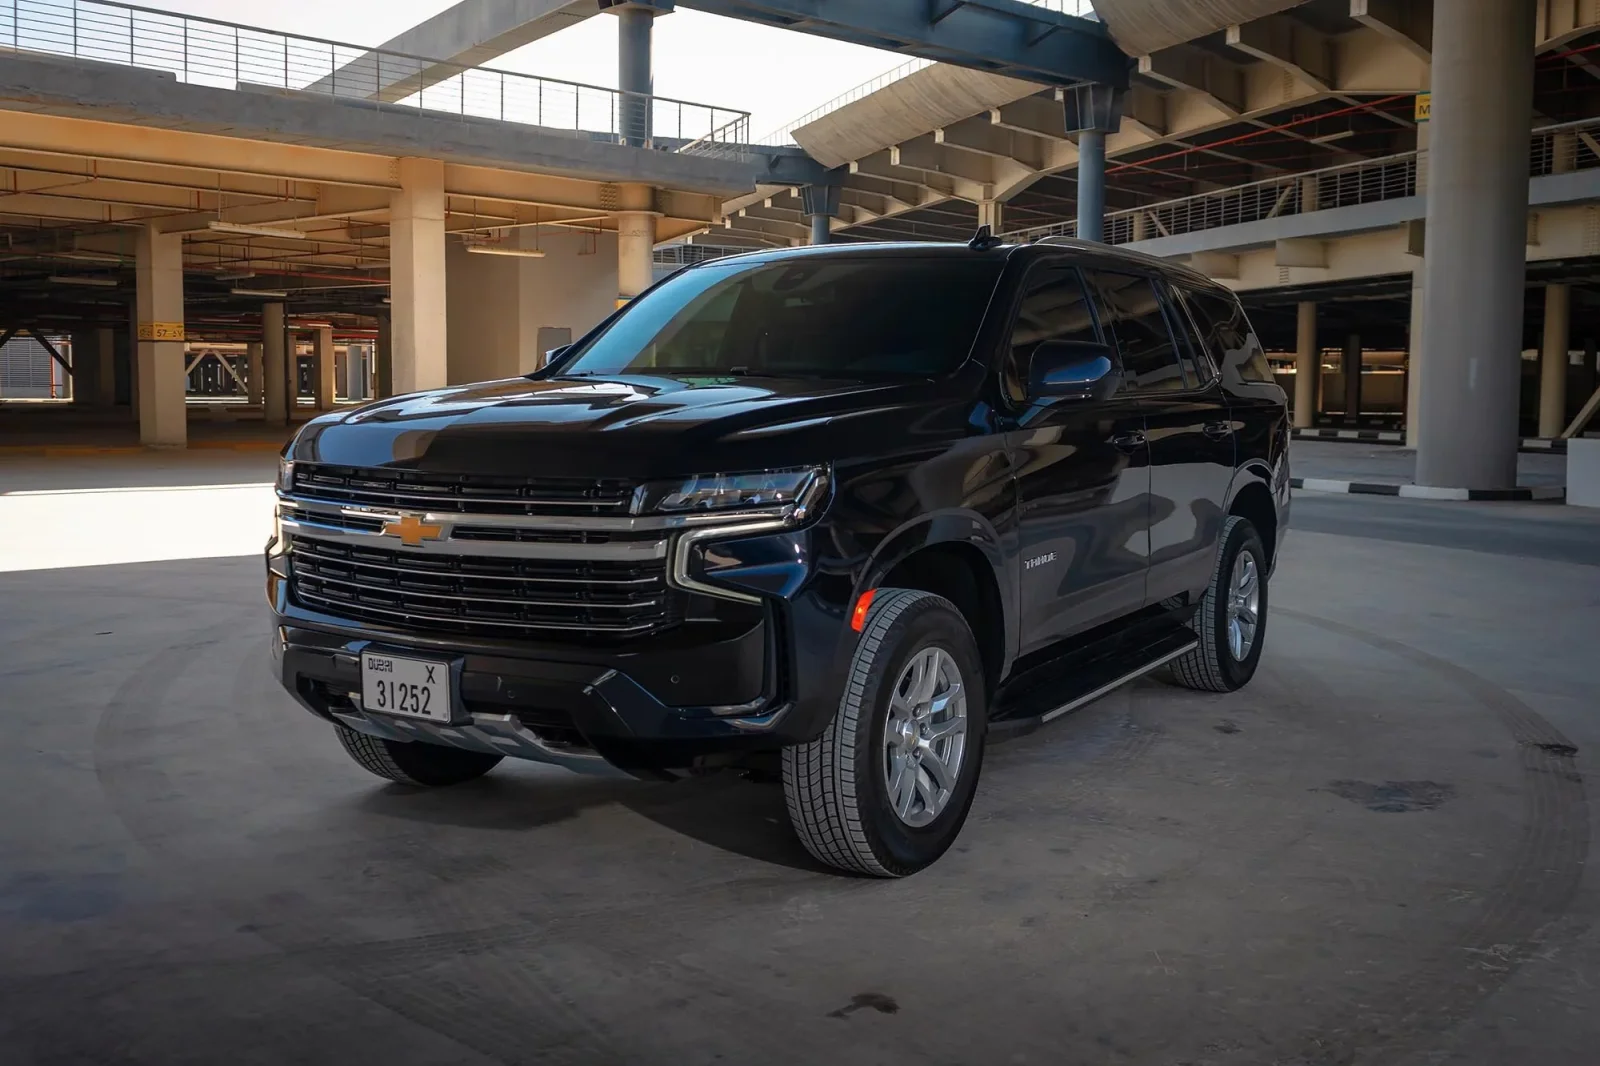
(1217, 430)
(1129, 441)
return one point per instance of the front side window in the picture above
(1055, 307)
(849, 317)
(1132, 311)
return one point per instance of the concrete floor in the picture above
(1374, 854)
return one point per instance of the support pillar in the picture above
(274, 366)
(1307, 366)
(383, 379)
(416, 276)
(820, 204)
(1477, 230)
(252, 373)
(163, 415)
(105, 385)
(1351, 365)
(636, 245)
(635, 77)
(992, 213)
(1553, 360)
(324, 385)
(1414, 349)
(86, 371)
(355, 372)
(1091, 185)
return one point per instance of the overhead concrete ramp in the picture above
(928, 99)
(1143, 26)
(466, 35)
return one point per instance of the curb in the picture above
(1428, 492)
(1389, 436)
(56, 451)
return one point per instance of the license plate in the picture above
(412, 688)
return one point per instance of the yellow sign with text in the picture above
(161, 331)
(1424, 108)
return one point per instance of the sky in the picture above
(776, 75)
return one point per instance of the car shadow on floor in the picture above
(724, 810)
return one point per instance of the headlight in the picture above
(767, 490)
(285, 481)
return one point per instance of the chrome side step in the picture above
(1111, 686)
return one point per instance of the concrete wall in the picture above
(498, 304)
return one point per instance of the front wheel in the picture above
(885, 790)
(1231, 621)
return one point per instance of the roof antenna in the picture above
(984, 239)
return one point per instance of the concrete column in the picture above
(105, 384)
(324, 385)
(1141, 225)
(1091, 185)
(133, 356)
(163, 416)
(1351, 364)
(1477, 231)
(1553, 360)
(355, 372)
(1414, 351)
(635, 78)
(252, 376)
(85, 369)
(1307, 365)
(1310, 195)
(417, 276)
(383, 379)
(992, 213)
(636, 244)
(274, 366)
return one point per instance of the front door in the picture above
(1083, 479)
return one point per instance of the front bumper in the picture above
(672, 700)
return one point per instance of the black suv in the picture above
(840, 514)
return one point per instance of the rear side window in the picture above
(1131, 310)
(1227, 334)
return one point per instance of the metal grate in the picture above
(494, 597)
(462, 493)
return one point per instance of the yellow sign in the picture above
(161, 331)
(1424, 108)
(624, 301)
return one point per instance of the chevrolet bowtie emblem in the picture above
(411, 530)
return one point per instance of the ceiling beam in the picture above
(1289, 44)
(1193, 70)
(1408, 23)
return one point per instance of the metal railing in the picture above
(201, 51)
(1367, 181)
(685, 254)
(784, 135)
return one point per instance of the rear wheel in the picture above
(1231, 621)
(885, 790)
(415, 763)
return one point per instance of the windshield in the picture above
(844, 317)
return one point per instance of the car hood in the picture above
(621, 426)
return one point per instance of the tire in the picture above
(415, 763)
(838, 787)
(1214, 666)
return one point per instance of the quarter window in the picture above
(1133, 314)
(1227, 334)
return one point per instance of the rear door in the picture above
(1191, 439)
(1083, 477)
(1256, 403)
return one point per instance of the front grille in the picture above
(493, 596)
(462, 493)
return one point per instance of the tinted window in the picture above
(1132, 311)
(1227, 334)
(1054, 308)
(843, 317)
(1197, 365)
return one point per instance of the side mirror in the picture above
(1073, 370)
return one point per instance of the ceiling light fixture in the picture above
(273, 293)
(238, 275)
(99, 283)
(1329, 137)
(86, 257)
(255, 231)
(498, 249)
